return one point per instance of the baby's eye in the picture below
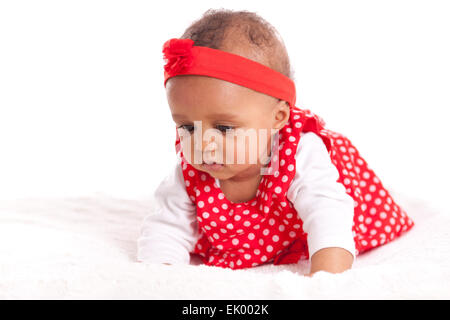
(188, 127)
(223, 128)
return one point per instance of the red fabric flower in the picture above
(178, 55)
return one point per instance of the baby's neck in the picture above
(242, 190)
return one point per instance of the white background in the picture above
(83, 107)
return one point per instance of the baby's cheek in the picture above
(187, 147)
(241, 150)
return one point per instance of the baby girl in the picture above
(258, 180)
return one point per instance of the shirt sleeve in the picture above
(320, 201)
(170, 232)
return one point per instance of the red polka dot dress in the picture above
(267, 228)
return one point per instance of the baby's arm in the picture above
(324, 207)
(169, 233)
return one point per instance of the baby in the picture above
(257, 180)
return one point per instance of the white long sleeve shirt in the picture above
(170, 233)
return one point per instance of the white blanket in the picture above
(85, 248)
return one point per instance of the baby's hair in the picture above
(226, 30)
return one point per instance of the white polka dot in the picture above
(211, 199)
(224, 206)
(281, 228)
(221, 196)
(251, 236)
(292, 234)
(266, 232)
(275, 238)
(247, 256)
(285, 178)
(291, 167)
(222, 218)
(277, 189)
(216, 236)
(230, 226)
(205, 215)
(201, 204)
(263, 258)
(235, 241)
(269, 248)
(191, 173)
(288, 151)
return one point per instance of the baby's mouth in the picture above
(210, 162)
(211, 165)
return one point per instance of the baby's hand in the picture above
(333, 260)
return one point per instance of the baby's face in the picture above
(225, 129)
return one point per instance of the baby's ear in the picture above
(281, 114)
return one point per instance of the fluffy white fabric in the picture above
(85, 248)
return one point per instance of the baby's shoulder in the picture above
(309, 141)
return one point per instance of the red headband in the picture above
(182, 58)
